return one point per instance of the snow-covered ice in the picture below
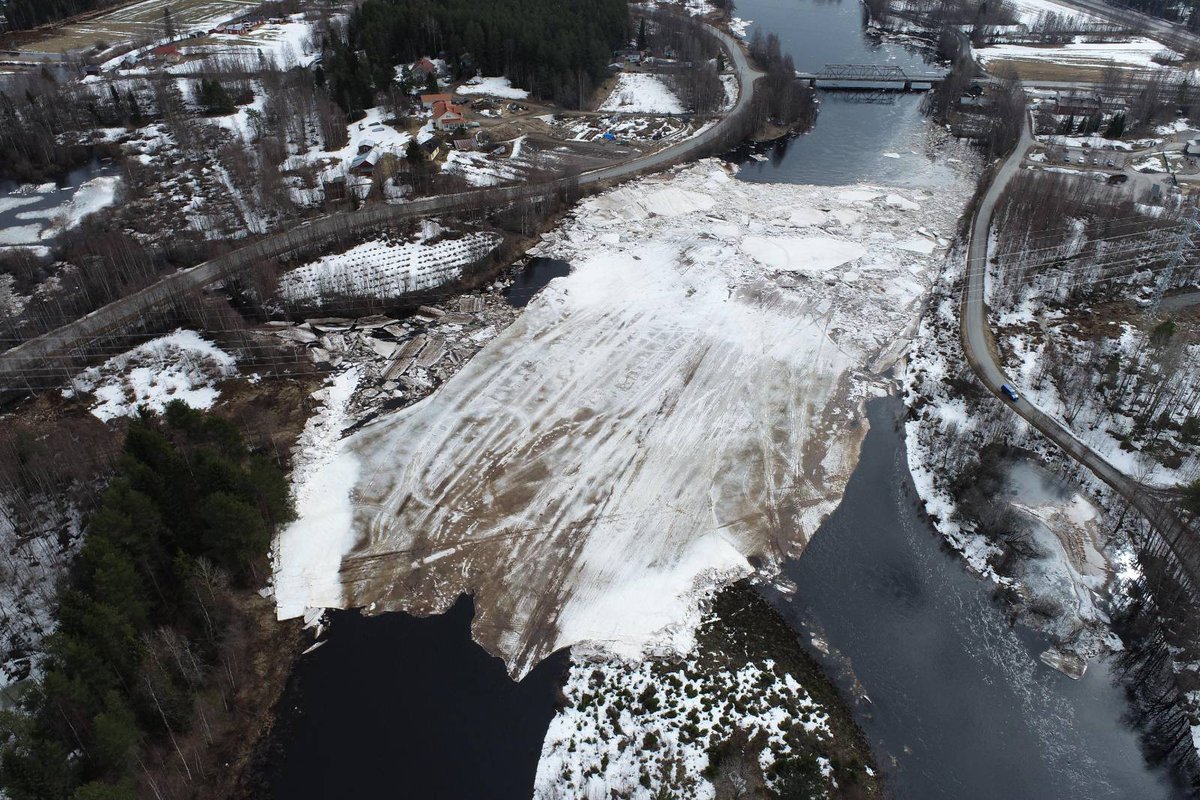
(653, 422)
(808, 254)
(307, 552)
(90, 197)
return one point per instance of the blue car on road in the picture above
(1009, 392)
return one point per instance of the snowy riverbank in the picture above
(1048, 542)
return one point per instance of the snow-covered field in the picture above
(1137, 53)
(141, 21)
(179, 366)
(653, 421)
(387, 268)
(1030, 12)
(493, 87)
(641, 93)
(480, 170)
(286, 44)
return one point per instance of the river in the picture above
(960, 706)
(396, 706)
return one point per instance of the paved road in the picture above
(979, 346)
(32, 356)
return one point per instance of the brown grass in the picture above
(130, 23)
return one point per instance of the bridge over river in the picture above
(873, 78)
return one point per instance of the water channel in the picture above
(25, 209)
(959, 705)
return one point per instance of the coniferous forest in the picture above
(146, 649)
(557, 49)
(24, 14)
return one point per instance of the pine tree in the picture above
(135, 110)
(1116, 127)
(214, 99)
(168, 23)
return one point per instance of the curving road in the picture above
(979, 346)
(31, 356)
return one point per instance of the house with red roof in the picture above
(428, 100)
(448, 116)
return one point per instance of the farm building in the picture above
(167, 52)
(363, 164)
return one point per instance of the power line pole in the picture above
(1183, 243)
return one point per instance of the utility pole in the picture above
(1183, 243)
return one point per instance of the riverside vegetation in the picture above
(144, 669)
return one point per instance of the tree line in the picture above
(146, 653)
(785, 100)
(557, 50)
(25, 14)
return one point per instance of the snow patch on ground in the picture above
(386, 268)
(494, 87)
(479, 170)
(597, 746)
(371, 130)
(642, 93)
(179, 366)
(38, 547)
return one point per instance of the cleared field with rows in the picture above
(137, 21)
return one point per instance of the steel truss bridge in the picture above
(872, 77)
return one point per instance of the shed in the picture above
(364, 164)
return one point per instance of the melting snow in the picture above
(385, 268)
(179, 366)
(495, 87)
(641, 93)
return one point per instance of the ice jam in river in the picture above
(684, 408)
